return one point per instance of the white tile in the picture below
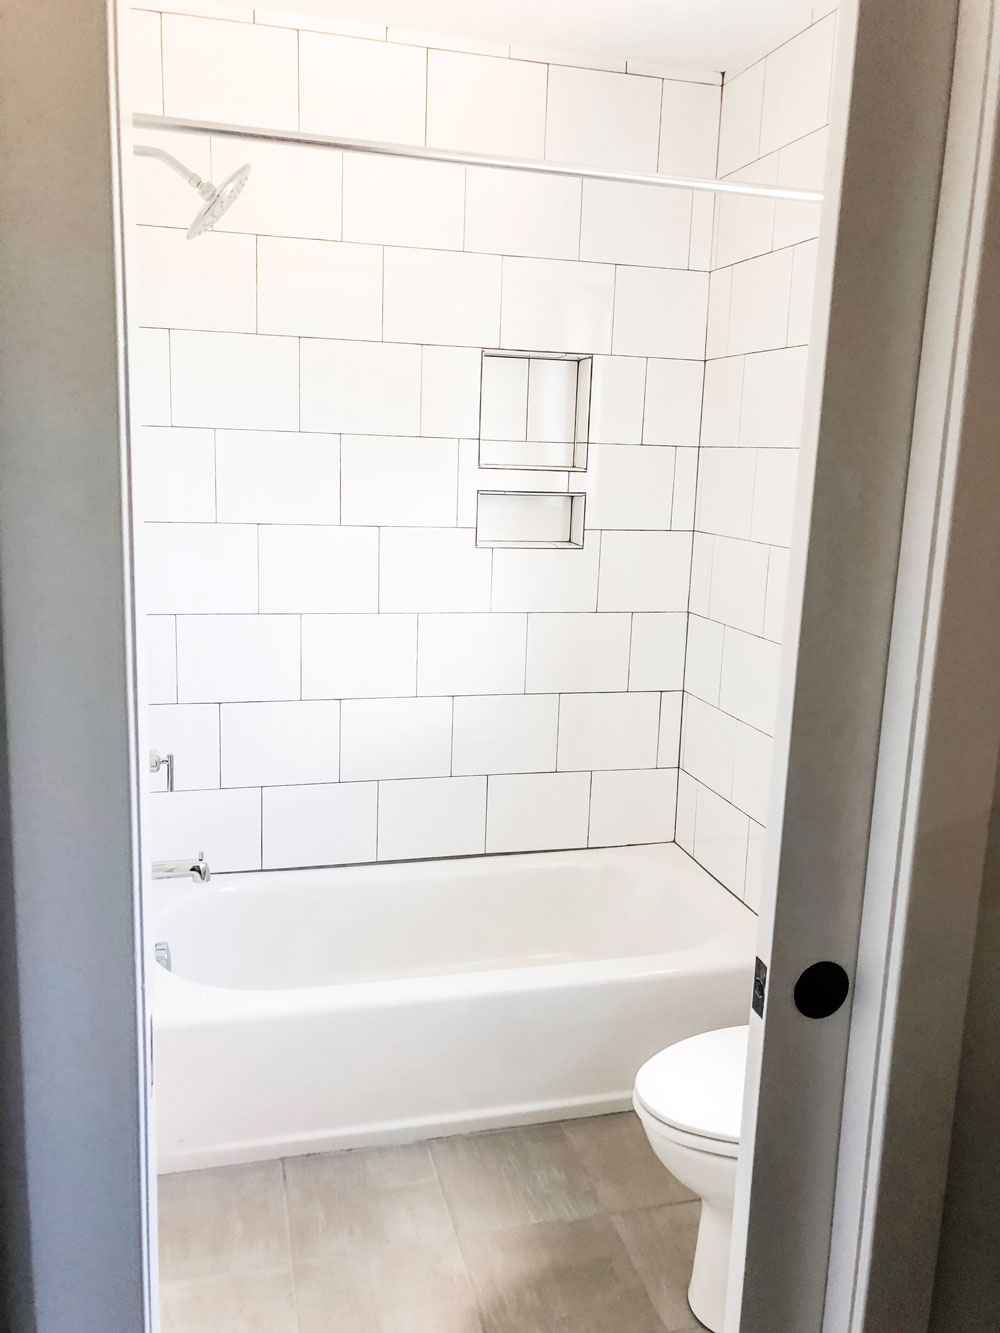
(272, 744)
(616, 400)
(213, 9)
(661, 312)
(739, 129)
(319, 289)
(397, 201)
(503, 411)
(635, 224)
(709, 745)
(359, 387)
(236, 73)
(774, 496)
(689, 129)
(234, 380)
(703, 665)
(608, 731)
(277, 477)
(797, 86)
(197, 567)
(472, 479)
(538, 518)
(527, 580)
(725, 491)
(359, 657)
(549, 55)
(685, 489)
(753, 883)
(320, 825)
(774, 386)
(701, 573)
(361, 89)
(673, 402)
(687, 795)
(537, 812)
(485, 104)
(703, 209)
(311, 568)
(225, 825)
(758, 317)
(207, 285)
(433, 296)
(159, 196)
(552, 401)
(749, 689)
(433, 569)
(514, 733)
(471, 654)
(158, 659)
(644, 571)
(447, 42)
(431, 817)
(668, 747)
(571, 653)
(656, 661)
(173, 474)
(514, 213)
(237, 659)
(801, 165)
(633, 807)
(605, 120)
(395, 738)
(556, 306)
(149, 364)
(800, 306)
(720, 292)
(141, 63)
(397, 481)
(314, 21)
(720, 840)
(190, 732)
(745, 224)
(292, 191)
(739, 584)
(449, 391)
(752, 772)
(720, 420)
(629, 486)
(777, 595)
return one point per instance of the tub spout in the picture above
(198, 870)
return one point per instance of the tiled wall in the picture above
(773, 123)
(341, 672)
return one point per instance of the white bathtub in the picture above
(318, 1009)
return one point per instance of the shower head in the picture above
(218, 198)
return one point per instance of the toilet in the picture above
(689, 1098)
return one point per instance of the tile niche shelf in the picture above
(534, 411)
(548, 520)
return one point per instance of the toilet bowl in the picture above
(690, 1101)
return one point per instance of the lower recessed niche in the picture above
(530, 518)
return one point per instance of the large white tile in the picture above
(687, 797)
(608, 731)
(236, 659)
(471, 654)
(312, 568)
(360, 387)
(149, 365)
(538, 580)
(617, 394)
(632, 806)
(777, 595)
(537, 812)
(629, 486)
(395, 738)
(661, 312)
(397, 201)
(720, 418)
(739, 129)
(208, 285)
(709, 745)
(720, 839)
(672, 410)
(514, 213)
(801, 165)
(449, 391)
(485, 104)
(557, 306)
(173, 475)
(685, 489)
(277, 477)
(703, 209)
(435, 296)
(603, 119)
(141, 63)
(319, 825)
(433, 569)
(225, 825)
(577, 653)
(752, 771)
(198, 567)
(725, 491)
(703, 664)
(293, 190)
(431, 817)
(234, 380)
(236, 73)
(689, 128)
(720, 295)
(739, 584)
(754, 881)
(668, 747)
(797, 86)
(656, 660)
(513, 733)
(190, 732)
(749, 689)
(773, 397)
(744, 223)
(272, 744)
(158, 659)
(358, 657)
(774, 496)
(313, 20)
(319, 289)
(635, 224)
(701, 573)
(644, 571)
(800, 306)
(397, 481)
(361, 89)
(758, 317)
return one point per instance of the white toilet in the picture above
(690, 1101)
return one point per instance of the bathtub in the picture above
(309, 1010)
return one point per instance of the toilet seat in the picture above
(694, 1090)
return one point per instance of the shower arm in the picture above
(205, 188)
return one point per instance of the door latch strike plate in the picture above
(759, 987)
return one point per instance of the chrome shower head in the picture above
(218, 200)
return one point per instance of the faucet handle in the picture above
(158, 761)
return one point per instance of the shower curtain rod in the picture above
(419, 152)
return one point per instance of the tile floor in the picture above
(571, 1226)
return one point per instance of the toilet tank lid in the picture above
(697, 1084)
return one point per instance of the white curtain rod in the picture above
(147, 122)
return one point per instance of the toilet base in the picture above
(710, 1275)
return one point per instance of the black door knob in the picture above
(821, 990)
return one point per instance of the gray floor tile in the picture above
(660, 1242)
(241, 1302)
(623, 1168)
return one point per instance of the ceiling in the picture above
(681, 34)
